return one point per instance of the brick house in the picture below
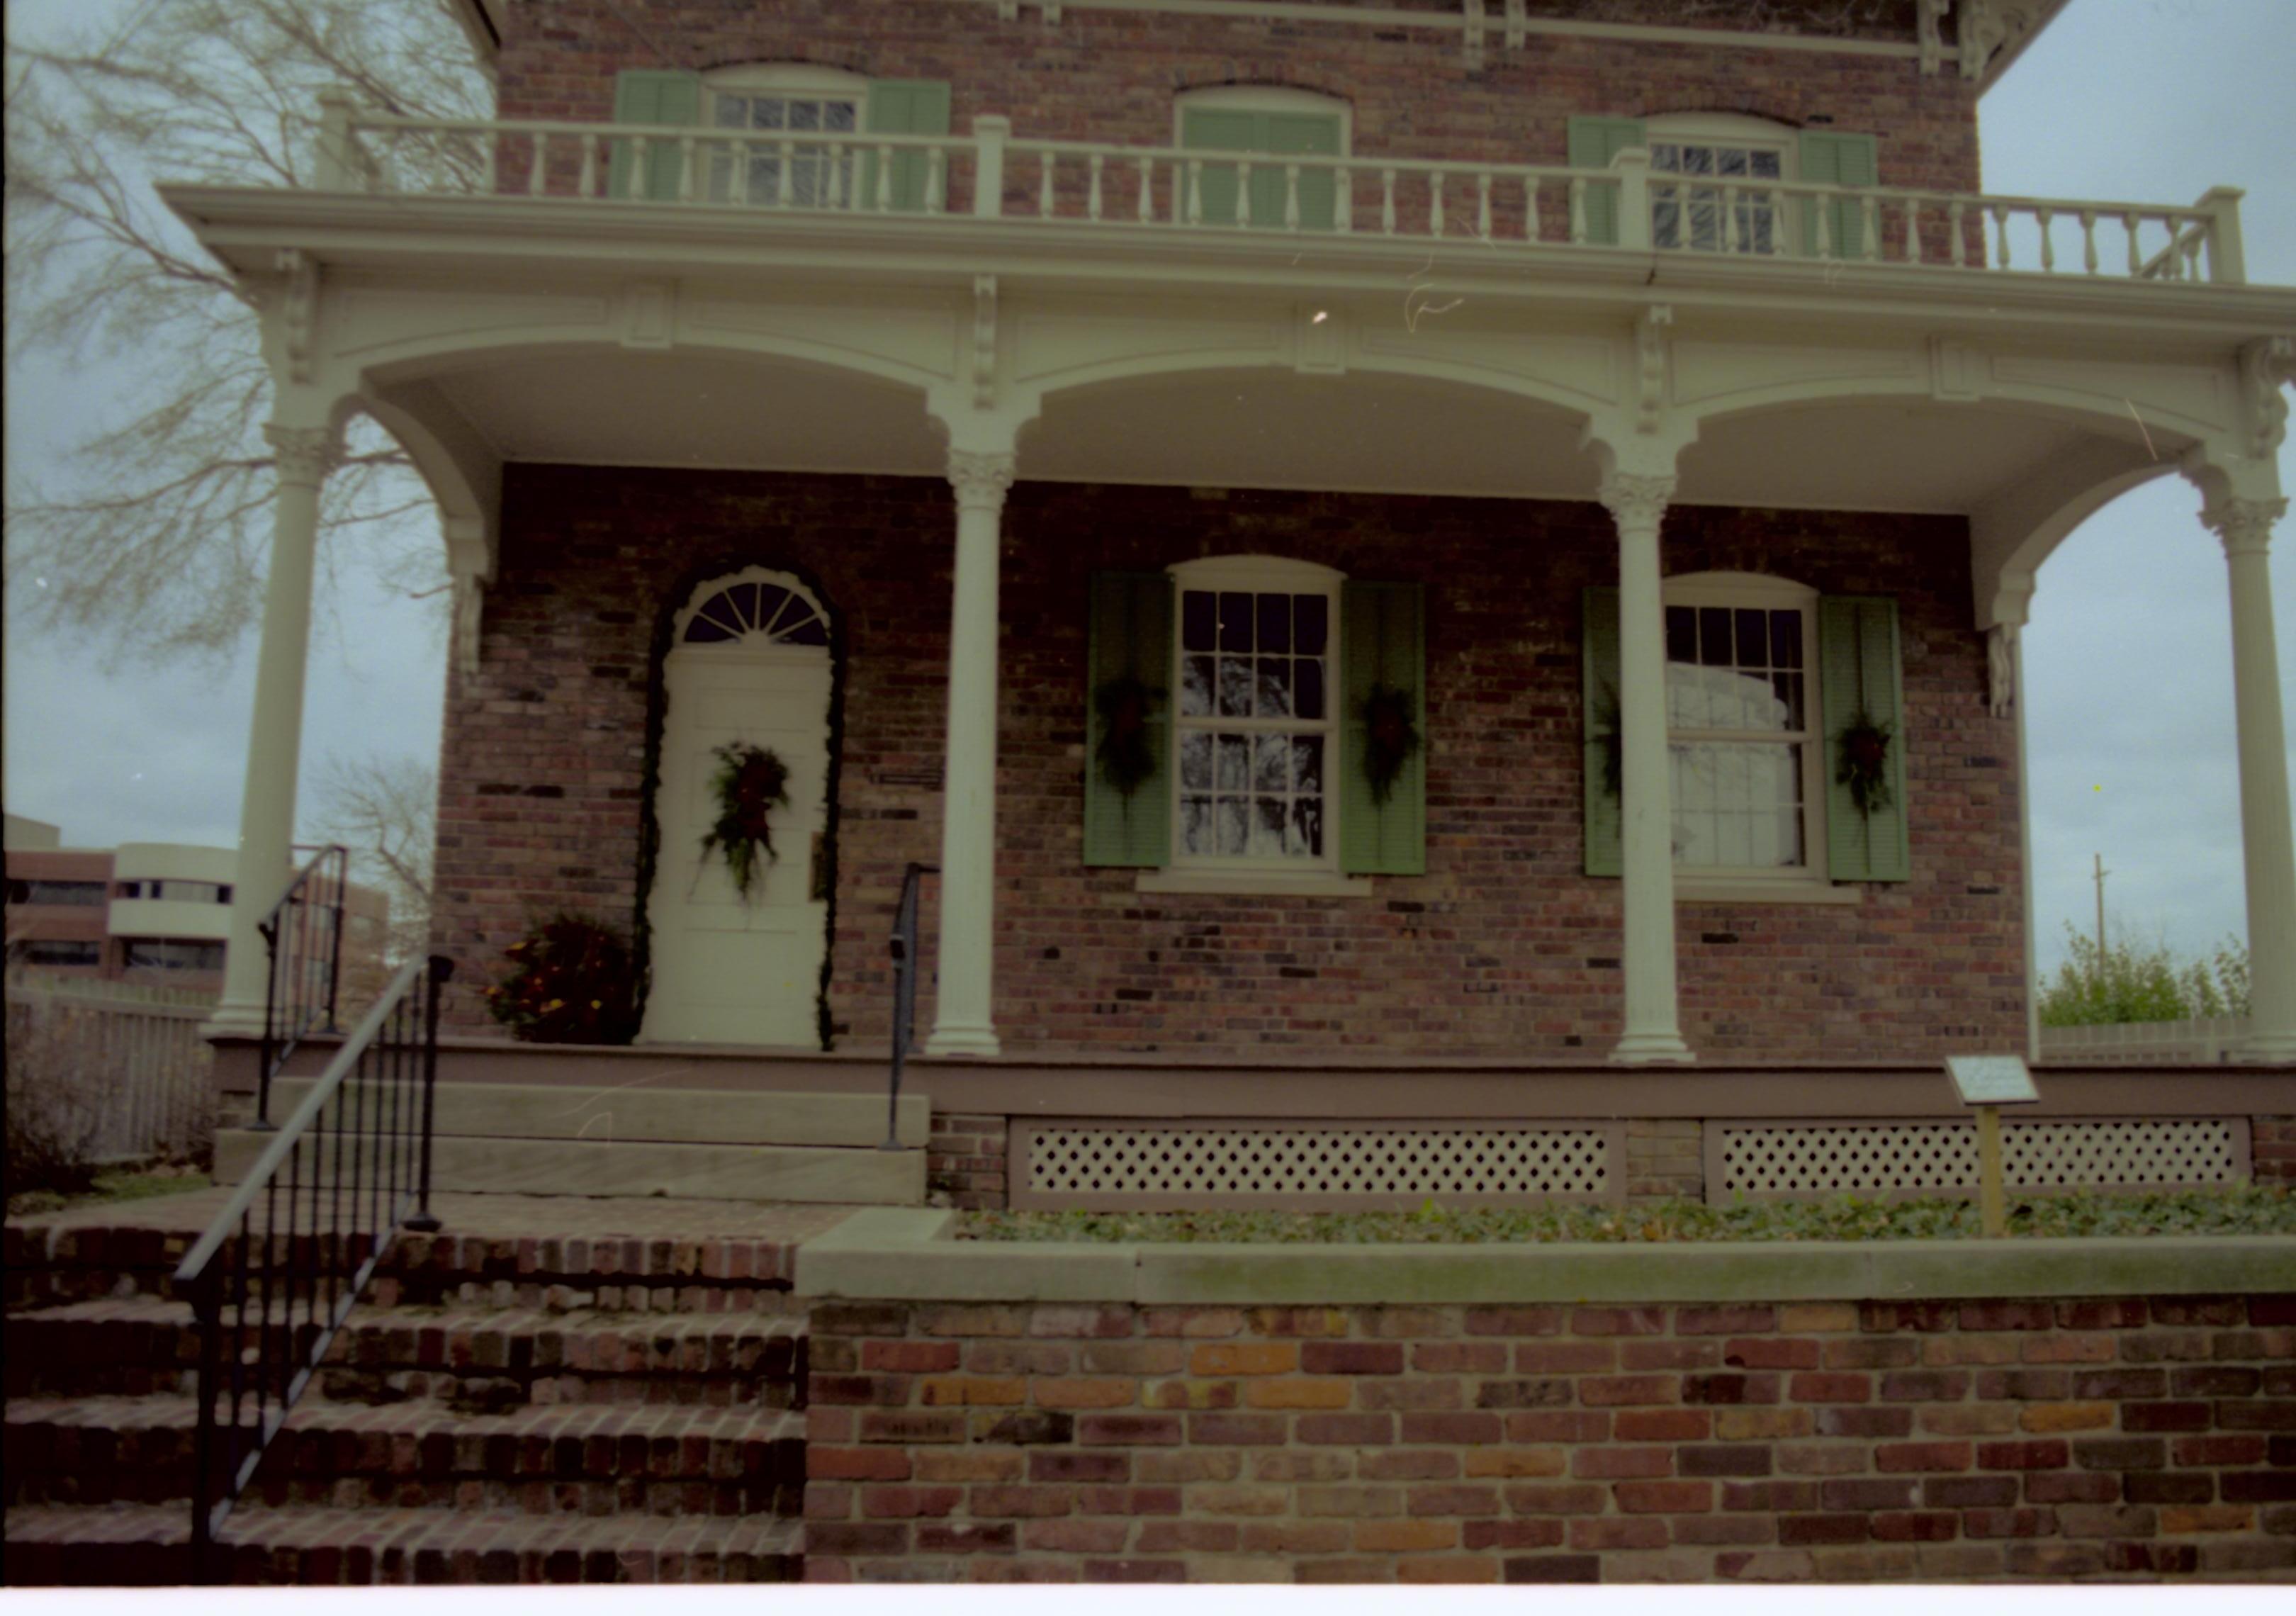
(1489, 544)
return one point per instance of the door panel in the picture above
(727, 971)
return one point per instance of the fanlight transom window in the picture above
(759, 613)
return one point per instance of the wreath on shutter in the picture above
(1125, 757)
(1865, 766)
(1389, 737)
(750, 783)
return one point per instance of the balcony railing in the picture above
(992, 174)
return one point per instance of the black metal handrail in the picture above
(303, 938)
(904, 950)
(290, 1254)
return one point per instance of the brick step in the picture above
(839, 1175)
(50, 1265)
(144, 1544)
(477, 1358)
(663, 1458)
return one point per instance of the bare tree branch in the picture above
(155, 525)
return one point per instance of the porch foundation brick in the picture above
(2051, 1474)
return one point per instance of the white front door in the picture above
(748, 666)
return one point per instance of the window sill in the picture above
(1693, 890)
(1253, 883)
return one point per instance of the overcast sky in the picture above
(2130, 706)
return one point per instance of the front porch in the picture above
(624, 393)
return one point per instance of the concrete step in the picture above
(586, 1166)
(540, 1458)
(144, 1544)
(474, 1358)
(635, 1111)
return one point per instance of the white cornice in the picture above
(249, 228)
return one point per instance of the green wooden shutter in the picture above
(1594, 143)
(1858, 667)
(1277, 135)
(644, 95)
(1382, 641)
(1837, 159)
(1131, 637)
(903, 106)
(1598, 661)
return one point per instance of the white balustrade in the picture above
(1085, 185)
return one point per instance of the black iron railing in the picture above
(303, 936)
(284, 1262)
(904, 948)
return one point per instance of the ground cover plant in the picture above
(2239, 1209)
(127, 1185)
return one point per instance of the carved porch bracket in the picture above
(299, 313)
(984, 341)
(1985, 28)
(2267, 365)
(1650, 366)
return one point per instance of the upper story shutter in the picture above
(1858, 659)
(1131, 638)
(1594, 143)
(1837, 159)
(903, 106)
(648, 95)
(1382, 643)
(1600, 784)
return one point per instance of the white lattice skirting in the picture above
(1903, 1158)
(1155, 1166)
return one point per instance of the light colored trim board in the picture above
(878, 1255)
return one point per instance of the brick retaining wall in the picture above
(1934, 1440)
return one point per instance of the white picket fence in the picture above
(2203, 1041)
(128, 1059)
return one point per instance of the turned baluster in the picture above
(785, 192)
(2088, 239)
(1045, 184)
(1869, 217)
(2001, 231)
(936, 179)
(1195, 191)
(1387, 201)
(1730, 219)
(1147, 210)
(589, 176)
(1483, 206)
(685, 167)
(1291, 196)
(1958, 223)
(1577, 212)
(2128, 224)
(1343, 202)
(1435, 177)
(1091, 200)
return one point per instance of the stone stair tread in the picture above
(714, 1421)
(410, 1531)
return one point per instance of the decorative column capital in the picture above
(304, 454)
(2244, 525)
(980, 480)
(1634, 500)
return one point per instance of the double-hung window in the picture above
(1254, 663)
(1717, 193)
(1281, 132)
(776, 110)
(1718, 183)
(1741, 735)
(1785, 739)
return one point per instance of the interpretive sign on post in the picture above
(1989, 1082)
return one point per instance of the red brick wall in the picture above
(1928, 1441)
(1503, 947)
(1111, 75)
(2272, 1148)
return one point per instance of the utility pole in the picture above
(2101, 874)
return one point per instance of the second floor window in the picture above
(1273, 125)
(1712, 195)
(779, 108)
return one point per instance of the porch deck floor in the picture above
(553, 1217)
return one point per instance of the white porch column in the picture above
(1637, 503)
(963, 1022)
(2267, 850)
(267, 812)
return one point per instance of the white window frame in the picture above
(1265, 98)
(1810, 882)
(1733, 129)
(795, 81)
(1212, 873)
